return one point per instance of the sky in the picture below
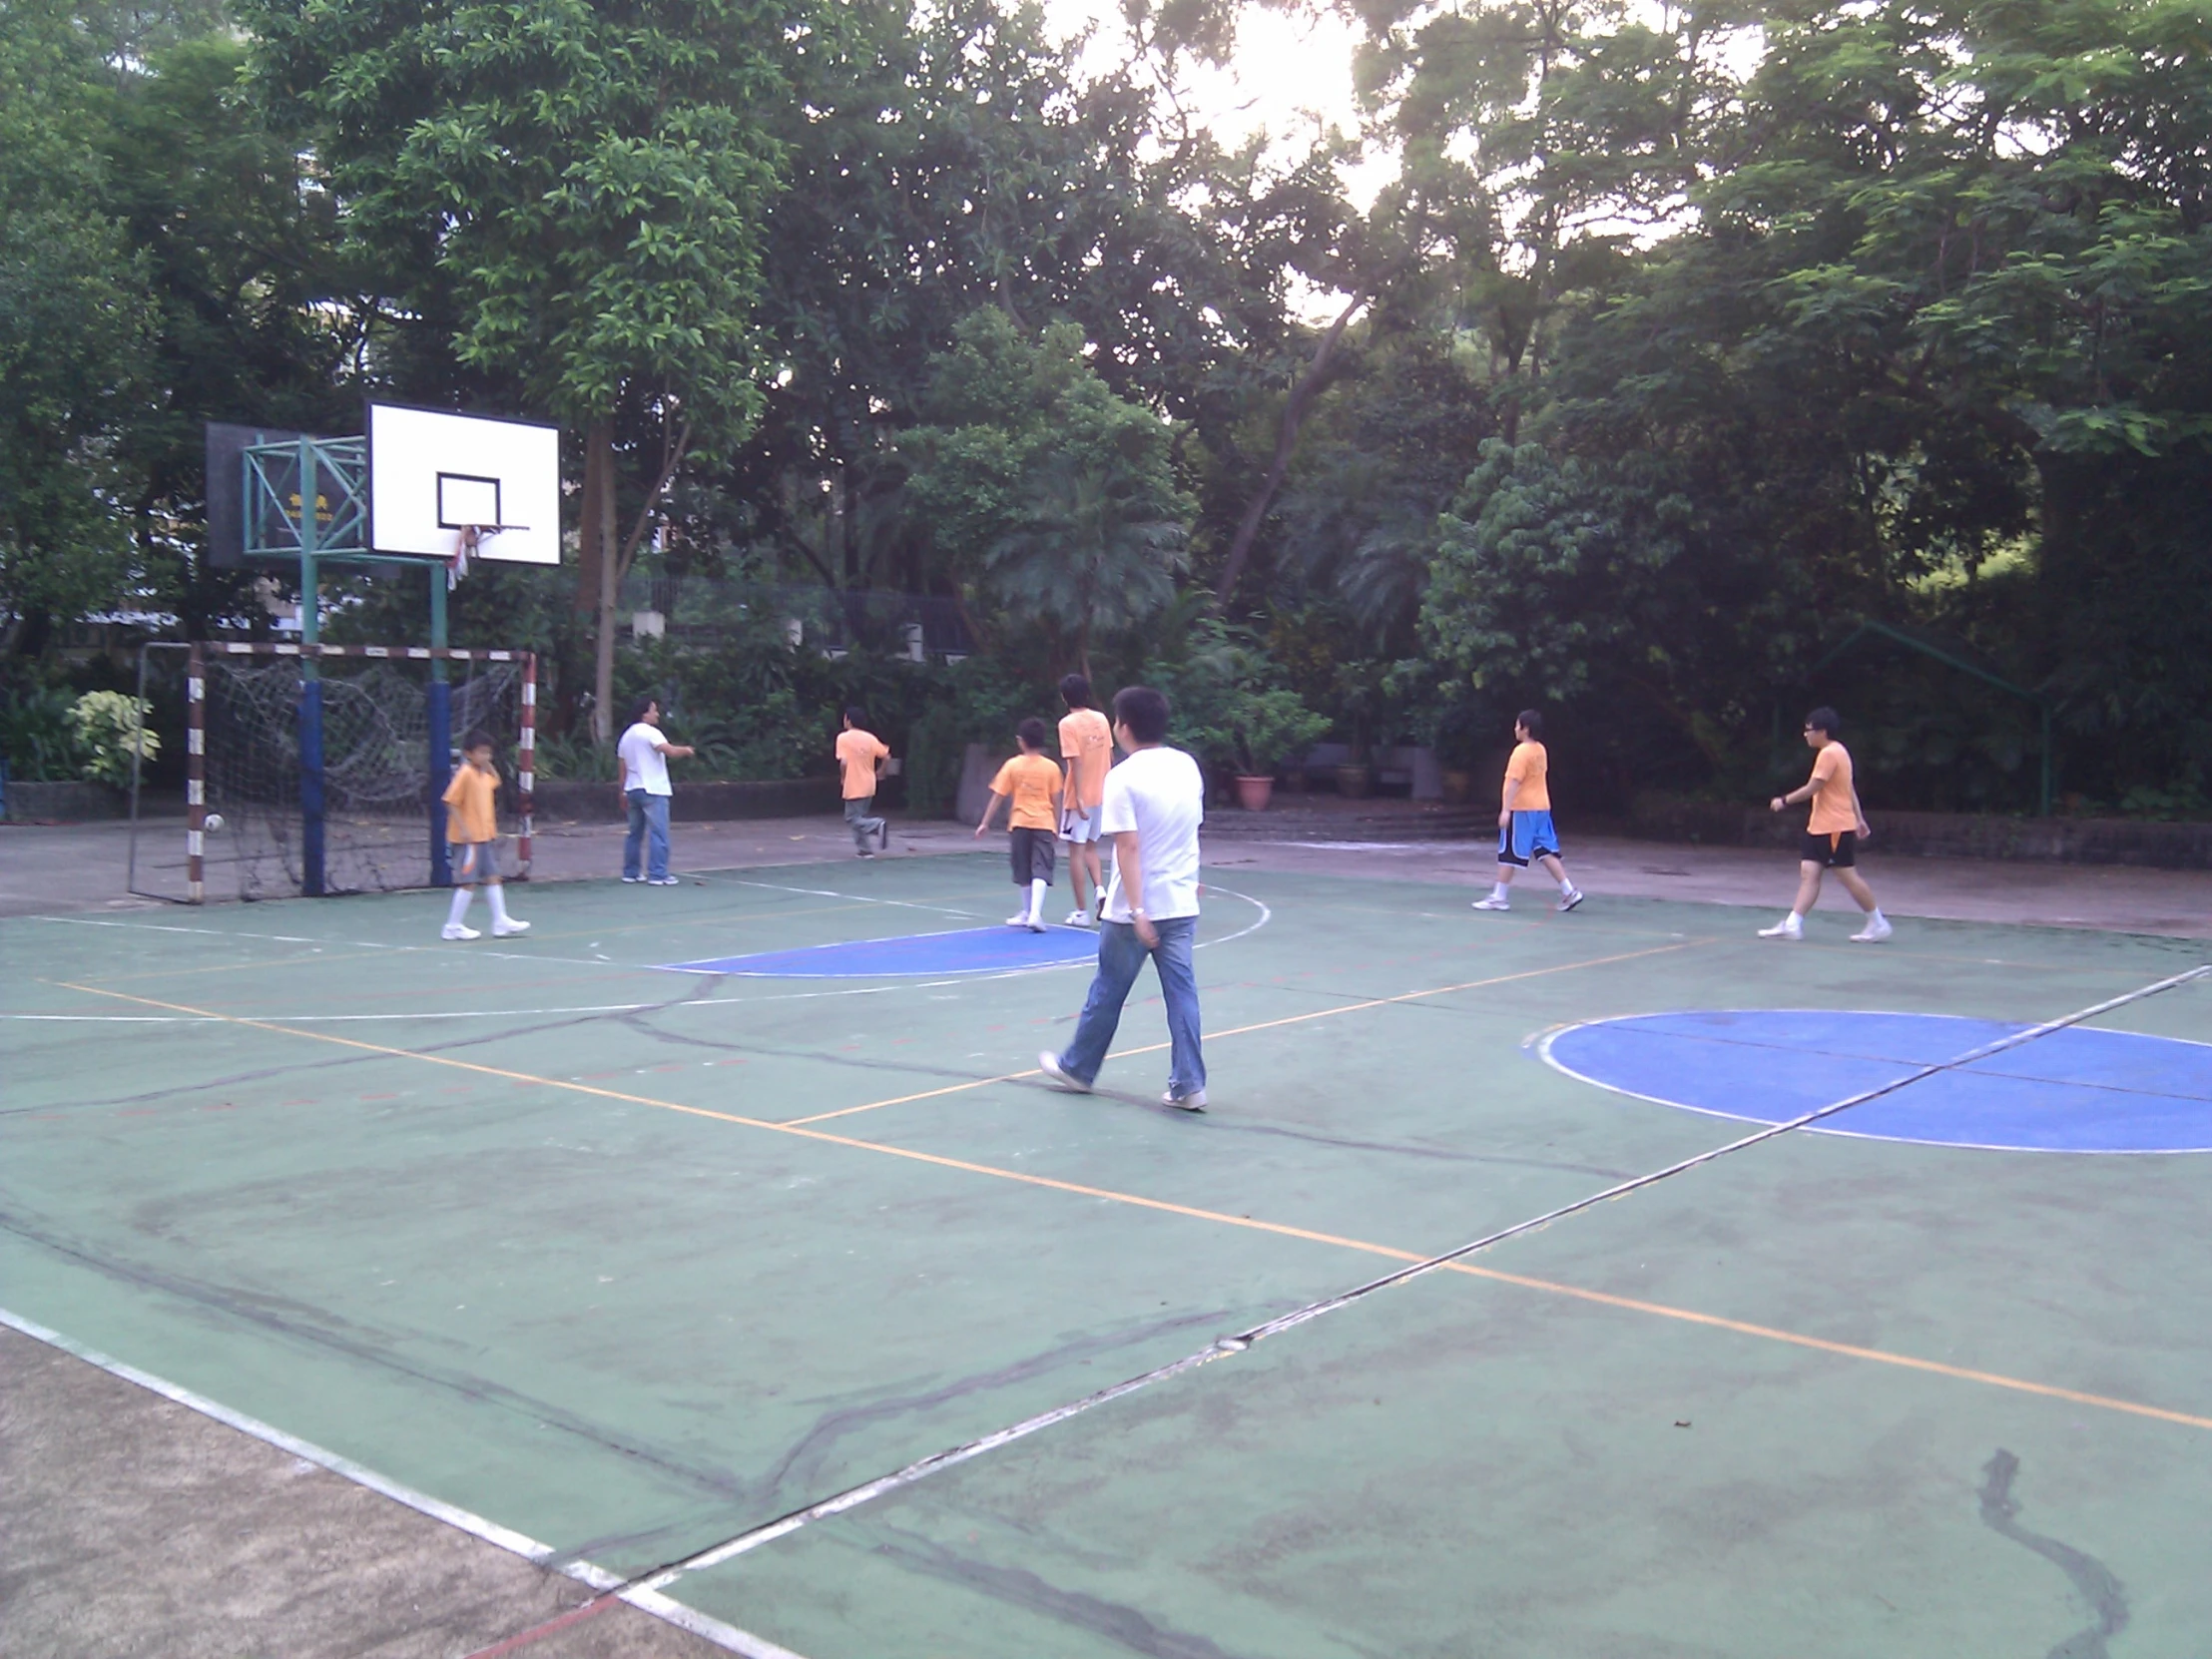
(1290, 76)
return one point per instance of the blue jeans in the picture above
(1121, 954)
(861, 821)
(646, 812)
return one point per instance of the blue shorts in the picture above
(475, 863)
(1529, 836)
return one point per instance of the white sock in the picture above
(1500, 891)
(461, 897)
(497, 894)
(1565, 885)
(1876, 914)
(1036, 900)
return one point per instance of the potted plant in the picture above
(1266, 729)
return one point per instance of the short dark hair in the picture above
(1144, 711)
(858, 716)
(1534, 719)
(477, 739)
(1824, 719)
(1075, 691)
(1031, 732)
(639, 704)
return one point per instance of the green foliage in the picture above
(74, 322)
(37, 740)
(110, 732)
(576, 189)
(1057, 496)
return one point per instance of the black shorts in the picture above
(1837, 849)
(1032, 851)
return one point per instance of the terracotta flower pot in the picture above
(1352, 783)
(1458, 785)
(1252, 793)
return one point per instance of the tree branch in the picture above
(1286, 443)
(671, 458)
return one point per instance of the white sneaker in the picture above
(1036, 924)
(1569, 899)
(1493, 902)
(634, 880)
(1079, 918)
(1019, 919)
(509, 928)
(454, 930)
(1049, 1064)
(1877, 929)
(1194, 1101)
(664, 882)
(1789, 927)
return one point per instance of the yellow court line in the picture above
(1263, 1026)
(1689, 1316)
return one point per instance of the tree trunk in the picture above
(602, 459)
(598, 446)
(1286, 443)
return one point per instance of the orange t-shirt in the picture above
(1527, 767)
(1087, 745)
(1034, 782)
(859, 754)
(471, 801)
(1835, 805)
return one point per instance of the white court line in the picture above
(723, 1635)
(337, 945)
(1266, 915)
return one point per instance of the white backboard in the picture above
(431, 473)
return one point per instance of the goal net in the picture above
(322, 773)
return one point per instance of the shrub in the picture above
(109, 729)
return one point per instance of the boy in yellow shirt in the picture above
(1525, 828)
(859, 752)
(1833, 832)
(1030, 782)
(1087, 750)
(472, 831)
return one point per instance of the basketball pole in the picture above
(440, 709)
(310, 683)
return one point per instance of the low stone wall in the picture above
(63, 802)
(714, 803)
(2072, 841)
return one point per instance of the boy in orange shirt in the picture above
(1031, 783)
(472, 831)
(1087, 750)
(1833, 832)
(859, 752)
(1525, 828)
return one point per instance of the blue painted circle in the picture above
(2074, 1090)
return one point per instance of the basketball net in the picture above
(465, 543)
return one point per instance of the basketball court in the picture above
(719, 1245)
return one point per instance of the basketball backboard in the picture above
(433, 477)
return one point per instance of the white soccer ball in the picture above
(214, 820)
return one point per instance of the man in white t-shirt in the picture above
(645, 756)
(1154, 802)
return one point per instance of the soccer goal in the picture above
(318, 768)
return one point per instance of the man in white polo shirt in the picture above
(1154, 802)
(645, 756)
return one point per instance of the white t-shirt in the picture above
(1160, 793)
(644, 767)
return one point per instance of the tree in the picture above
(575, 192)
(74, 322)
(1056, 496)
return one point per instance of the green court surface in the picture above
(632, 1262)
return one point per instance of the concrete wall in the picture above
(62, 802)
(2075, 841)
(714, 803)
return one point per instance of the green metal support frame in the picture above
(2042, 704)
(308, 499)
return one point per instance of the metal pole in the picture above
(526, 761)
(196, 777)
(130, 864)
(312, 802)
(439, 707)
(2046, 762)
